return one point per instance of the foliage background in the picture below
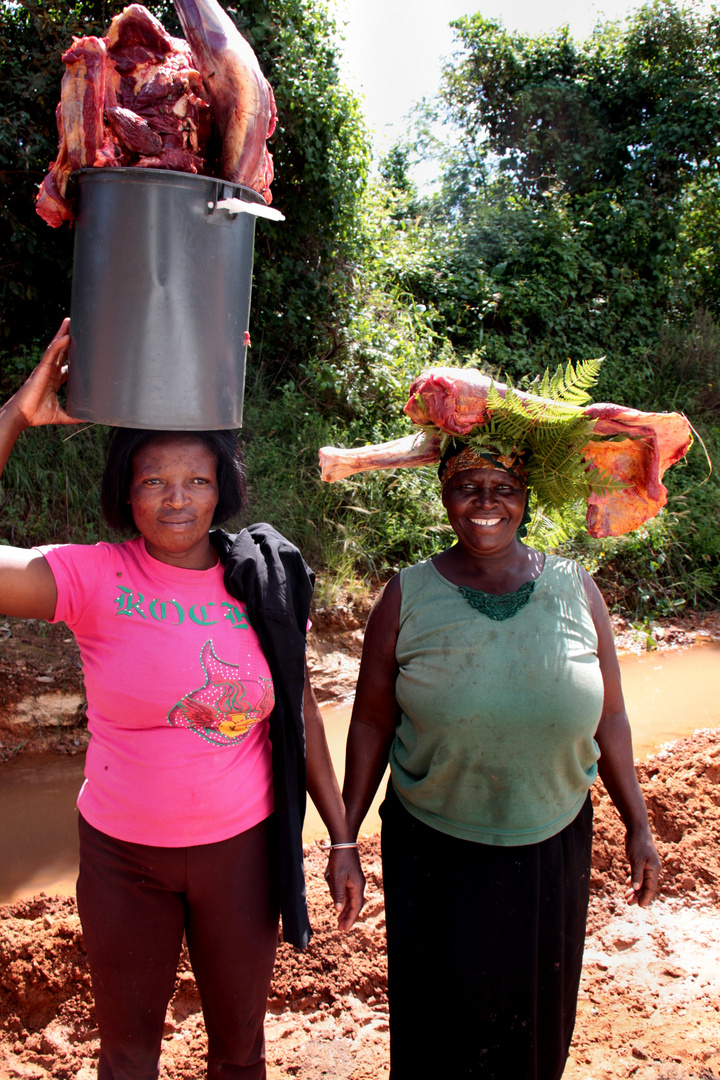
(576, 215)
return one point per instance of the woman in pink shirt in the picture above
(182, 804)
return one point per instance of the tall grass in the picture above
(50, 492)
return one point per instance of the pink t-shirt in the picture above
(179, 694)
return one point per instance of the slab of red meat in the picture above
(136, 37)
(159, 83)
(132, 132)
(657, 441)
(80, 124)
(455, 401)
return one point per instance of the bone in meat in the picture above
(455, 400)
(420, 448)
(241, 97)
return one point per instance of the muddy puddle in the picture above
(669, 695)
(38, 831)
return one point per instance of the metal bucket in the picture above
(160, 299)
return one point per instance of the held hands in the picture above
(644, 878)
(346, 882)
(36, 402)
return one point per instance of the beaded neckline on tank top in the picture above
(499, 607)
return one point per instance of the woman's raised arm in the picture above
(27, 586)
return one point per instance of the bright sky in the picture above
(394, 48)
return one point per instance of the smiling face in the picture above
(485, 508)
(173, 495)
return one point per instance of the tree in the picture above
(321, 158)
(576, 180)
(636, 112)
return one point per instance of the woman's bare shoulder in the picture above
(386, 607)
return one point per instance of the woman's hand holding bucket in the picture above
(36, 402)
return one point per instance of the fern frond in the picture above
(557, 383)
(569, 387)
(544, 386)
(578, 381)
(548, 529)
(550, 429)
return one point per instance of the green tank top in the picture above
(495, 742)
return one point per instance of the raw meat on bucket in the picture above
(242, 100)
(455, 401)
(155, 89)
(79, 119)
(132, 98)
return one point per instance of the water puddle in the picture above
(337, 721)
(669, 695)
(38, 825)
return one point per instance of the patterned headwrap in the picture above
(459, 456)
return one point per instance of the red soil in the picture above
(649, 1002)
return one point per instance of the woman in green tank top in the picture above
(489, 682)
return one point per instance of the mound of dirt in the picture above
(649, 1002)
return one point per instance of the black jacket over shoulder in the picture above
(268, 573)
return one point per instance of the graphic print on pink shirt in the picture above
(224, 709)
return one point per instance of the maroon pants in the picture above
(135, 903)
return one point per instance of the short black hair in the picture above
(124, 443)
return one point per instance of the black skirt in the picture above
(485, 949)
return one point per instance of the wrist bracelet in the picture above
(337, 847)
